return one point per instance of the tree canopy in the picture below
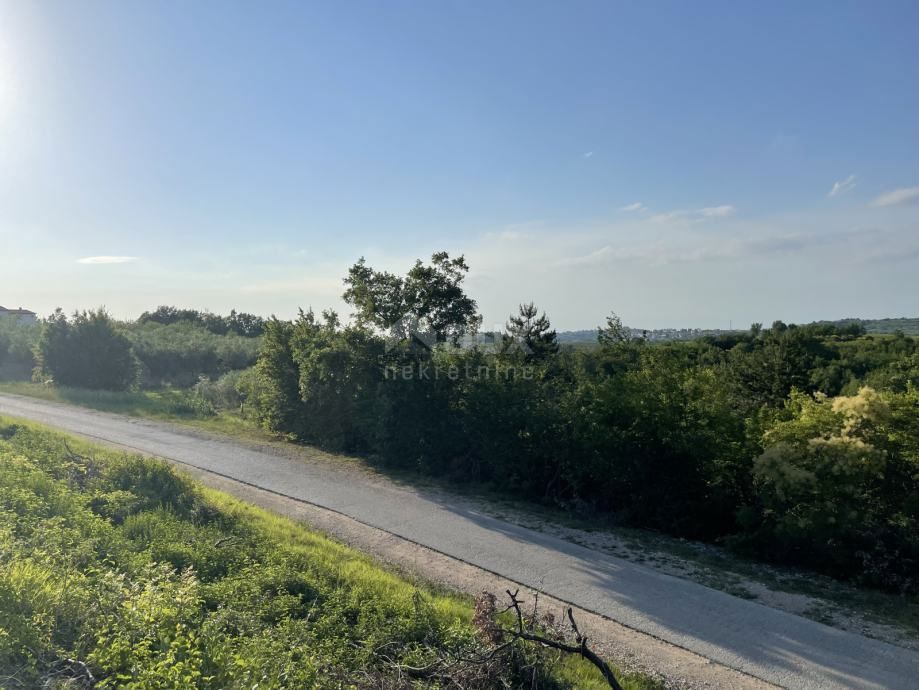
(430, 294)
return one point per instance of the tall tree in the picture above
(276, 393)
(614, 333)
(429, 293)
(532, 332)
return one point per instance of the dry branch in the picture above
(581, 649)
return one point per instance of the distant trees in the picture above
(179, 353)
(776, 361)
(240, 323)
(87, 350)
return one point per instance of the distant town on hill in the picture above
(907, 326)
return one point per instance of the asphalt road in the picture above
(772, 645)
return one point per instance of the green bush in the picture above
(226, 393)
(87, 351)
(17, 346)
(837, 488)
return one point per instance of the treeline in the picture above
(240, 323)
(89, 349)
(796, 444)
(882, 326)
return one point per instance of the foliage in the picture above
(178, 354)
(273, 389)
(432, 294)
(744, 437)
(338, 376)
(226, 393)
(116, 568)
(532, 332)
(777, 360)
(838, 487)
(677, 436)
(88, 350)
(171, 351)
(238, 323)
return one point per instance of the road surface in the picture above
(775, 646)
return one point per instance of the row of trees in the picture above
(240, 323)
(91, 350)
(794, 443)
(799, 444)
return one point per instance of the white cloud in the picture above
(695, 215)
(589, 154)
(107, 260)
(898, 197)
(843, 186)
(717, 211)
(637, 206)
(667, 217)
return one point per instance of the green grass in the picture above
(150, 580)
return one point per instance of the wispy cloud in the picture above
(637, 206)
(842, 186)
(668, 217)
(106, 260)
(898, 197)
(589, 154)
(717, 211)
(695, 215)
(663, 252)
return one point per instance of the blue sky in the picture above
(674, 162)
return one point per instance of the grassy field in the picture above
(119, 567)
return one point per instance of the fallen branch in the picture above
(580, 649)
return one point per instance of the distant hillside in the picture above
(877, 326)
(907, 326)
(655, 335)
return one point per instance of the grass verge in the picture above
(119, 566)
(166, 404)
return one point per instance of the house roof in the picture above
(17, 312)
